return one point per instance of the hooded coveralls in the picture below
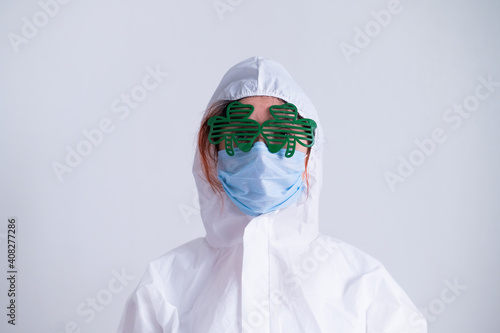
(271, 273)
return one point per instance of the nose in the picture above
(260, 138)
(262, 117)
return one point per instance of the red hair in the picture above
(209, 152)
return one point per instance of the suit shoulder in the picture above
(192, 251)
(358, 259)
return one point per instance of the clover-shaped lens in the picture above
(234, 128)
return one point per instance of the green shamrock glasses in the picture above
(284, 130)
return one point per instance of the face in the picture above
(261, 113)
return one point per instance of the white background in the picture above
(132, 197)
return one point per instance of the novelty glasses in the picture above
(284, 130)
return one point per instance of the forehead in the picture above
(260, 102)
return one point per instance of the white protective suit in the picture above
(271, 273)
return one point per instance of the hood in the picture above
(224, 223)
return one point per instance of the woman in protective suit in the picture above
(263, 266)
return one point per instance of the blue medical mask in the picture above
(259, 181)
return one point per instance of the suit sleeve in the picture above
(390, 309)
(146, 310)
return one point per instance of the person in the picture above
(263, 266)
